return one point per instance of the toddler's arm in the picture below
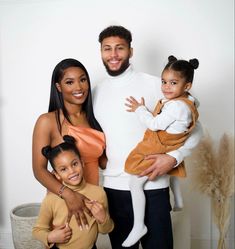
(172, 111)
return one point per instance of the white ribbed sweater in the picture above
(122, 129)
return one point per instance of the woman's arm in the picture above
(42, 136)
(103, 161)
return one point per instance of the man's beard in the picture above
(123, 68)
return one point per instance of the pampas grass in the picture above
(214, 176)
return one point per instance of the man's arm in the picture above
(192, 141)
(165, 162)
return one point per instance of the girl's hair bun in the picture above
(194, 63)
(46, 151)
(172, 58)
(69, 139)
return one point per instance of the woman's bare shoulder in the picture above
(46, 119)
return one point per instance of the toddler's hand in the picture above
(133, 104)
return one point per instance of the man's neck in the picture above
(125, 72)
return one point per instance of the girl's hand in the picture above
(76, 206)
(97, 210)
(133, 104)
(61, 234)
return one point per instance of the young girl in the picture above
(65, 160)
(168, 127)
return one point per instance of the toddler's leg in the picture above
(178, 199)
(138, 202)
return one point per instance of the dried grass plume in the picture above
(213, 175)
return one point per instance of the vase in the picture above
(23, 218)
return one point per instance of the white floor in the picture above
(103, 242)
(6, 242)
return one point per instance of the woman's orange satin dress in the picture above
(91, 145)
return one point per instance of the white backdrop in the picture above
(36, 34)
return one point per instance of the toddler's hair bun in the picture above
(172, 58)
(194, 63)
(69, 139)
(46, 151)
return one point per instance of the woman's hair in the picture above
(68, 145)
(56, 99)
(185, 68)
(119, 31)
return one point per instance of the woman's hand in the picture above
(61, 234)
(76, 206)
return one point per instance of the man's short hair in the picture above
(119, 31)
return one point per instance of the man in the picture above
(123, 131)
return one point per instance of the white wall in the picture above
(36, 34)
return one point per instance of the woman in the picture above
(70, 113)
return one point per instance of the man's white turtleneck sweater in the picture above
(122, 129)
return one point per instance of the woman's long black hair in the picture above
(56, 102)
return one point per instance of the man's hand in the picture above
(162, 164)
(61, 234)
